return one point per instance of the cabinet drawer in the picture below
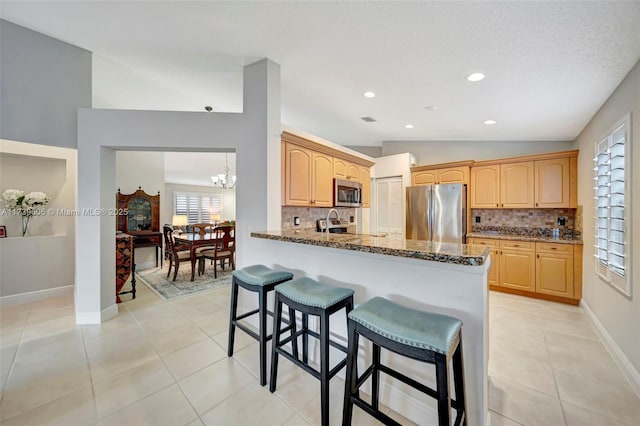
(554, 248)
(484, 242)
(517, 245)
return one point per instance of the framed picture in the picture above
(3, 231)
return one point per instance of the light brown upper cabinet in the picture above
(308, 177)
(516, 185)
(308, 170)
(365, 180)
(485, 187)
(542, 181)
(297, 182)
(552, 183)
(441, 173)
(322, 180)
(339, 168)
(343, 169)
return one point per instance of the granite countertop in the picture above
(520, 237)
(460, 254)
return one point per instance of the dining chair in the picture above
(202, 228)
(177, 252)
(225, 248)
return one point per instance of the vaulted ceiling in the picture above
(549, 66)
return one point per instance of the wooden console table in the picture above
(148, 239)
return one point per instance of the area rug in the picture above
(156, 279)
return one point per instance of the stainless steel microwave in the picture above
(347, 193)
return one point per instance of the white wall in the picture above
(254, 135)
(45, 260)
(619, 315)
(434, 152)
(142, 169)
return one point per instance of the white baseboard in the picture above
(88, 318)
(146, 265)
(628, 370)
(34, 296)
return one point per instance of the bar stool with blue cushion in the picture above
(423, 336)
(262, 280)
(310, 298)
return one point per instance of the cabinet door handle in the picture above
(497, 205)
(536, 204)
(516, 245)
(554, 248)
(538, 256)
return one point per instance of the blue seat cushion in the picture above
(312, 293)
(261, 275)
(408, 326)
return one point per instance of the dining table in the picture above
(195, 241)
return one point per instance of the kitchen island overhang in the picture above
(450, 279)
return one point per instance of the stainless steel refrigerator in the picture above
(437, 213)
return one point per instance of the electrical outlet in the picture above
(352, 219)
(562, 221)
(477, 219)
(296, 221)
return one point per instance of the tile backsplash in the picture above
(309, 215)
(530, 218)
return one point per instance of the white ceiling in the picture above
(549, 65)
(196, 168)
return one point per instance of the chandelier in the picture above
(224, 180)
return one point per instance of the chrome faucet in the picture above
(329, 224)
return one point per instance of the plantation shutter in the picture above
(611, 202)
(198, 207)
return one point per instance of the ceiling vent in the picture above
(368, 119)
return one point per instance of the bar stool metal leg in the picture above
(305, 338)
(324, 368)
(277, 314)
(444, 400)
(458, 383)
(233, 313)
(375, 379)
(262, 307)
(351, 375)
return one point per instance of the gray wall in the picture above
(618, 315)
(371, 151)
(434, 152)
(44, 82)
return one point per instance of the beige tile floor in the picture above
(165, 363)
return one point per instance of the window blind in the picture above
(611, 205)
(198, 207)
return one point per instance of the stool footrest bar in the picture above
(375, 413)
(408, 380)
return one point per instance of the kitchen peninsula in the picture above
(443, 278)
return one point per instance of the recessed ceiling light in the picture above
(476, 76)
(431, 107)
(369, 95)
(408, 126)
(489, 121)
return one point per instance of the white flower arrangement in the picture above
(24, 204)
(13, 198)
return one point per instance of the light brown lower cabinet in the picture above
(554, 269)
(545, 270)
(517, 265)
